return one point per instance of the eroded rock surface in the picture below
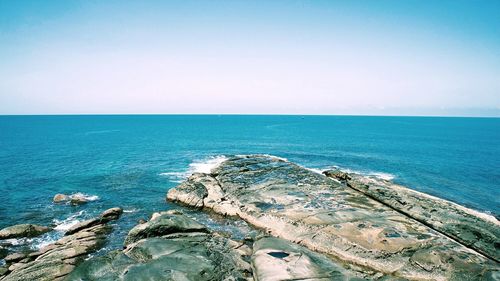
(327, 216)
(23, 230)
(477, 231)
(170, 246)
(277, 259)
(55, 261)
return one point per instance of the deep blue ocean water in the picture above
(131, 161)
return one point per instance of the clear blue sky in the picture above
(295, 57)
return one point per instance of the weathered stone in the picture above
(106, 216)
(55, 261)
(296, 204)
(337, 174)
(3, 270)
(478, 231)
(83, 225)
(163, 224)
(276, 259)
(112, 214)
(59, 198)
(15, 257)
(179, 253)
(23, 230)
(77, 199)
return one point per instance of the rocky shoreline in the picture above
(305, 226)
(350, 219)
(55, 261)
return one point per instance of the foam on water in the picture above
(85, 196)
(379, 175)
(207, 165)
(384, 176)
(64, 225)
(198, 166)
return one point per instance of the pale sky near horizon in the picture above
(284, 57)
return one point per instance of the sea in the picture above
(131, 161)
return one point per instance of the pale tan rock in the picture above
(288, 201)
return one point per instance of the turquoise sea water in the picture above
(131, 161)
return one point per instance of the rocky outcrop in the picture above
(163, 224)
(22, 231)
(326, 216)
(477, 231)
(59, 198)
(170, 246)
(55, 261)
(73, 199)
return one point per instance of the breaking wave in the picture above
(198, 166)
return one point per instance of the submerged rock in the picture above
(169, 247)
(326, 216)
(55, 261)
(23, 230)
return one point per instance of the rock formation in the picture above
(22, 231)
(329, 217)
(55, 261)
(170, 246)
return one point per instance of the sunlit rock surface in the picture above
(327, 216)
(170, 246)
(55, 261)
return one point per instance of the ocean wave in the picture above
(198, 166)
(100, 132)
(384, 176)
(133, 210)
(85, 196)
(378, 175)
(315, 170)
(44, 240)
(64, 225)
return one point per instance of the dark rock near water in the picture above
(329, 217)
(55, 261)
(169, 247)
(15, 257)
(106, 216)
(22, 231)
(337, 174)
(163, 224)
(73, 199)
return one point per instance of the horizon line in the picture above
(241, 114)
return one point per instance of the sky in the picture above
(355, 57)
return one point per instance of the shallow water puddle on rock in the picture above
(279, 255)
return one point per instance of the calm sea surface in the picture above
(131, 161)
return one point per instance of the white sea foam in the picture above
(314, 170)
(379, 175)
(198, 166)
(134, 210)
(85, 196)
(64, 225)
(207, 165)
(384, 176)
